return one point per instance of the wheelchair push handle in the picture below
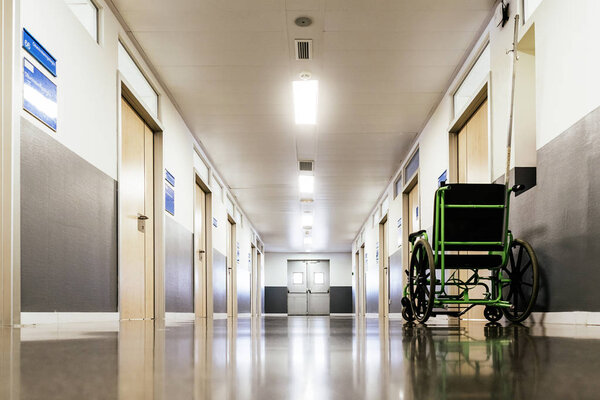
(517, 188)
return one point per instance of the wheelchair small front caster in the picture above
(492, 314)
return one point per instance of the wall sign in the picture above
(38, 52)
(399, 227)
(39, 95)
(169, 199)
(443, 178)
(169, 178)
(237, 252)
(215, 222)
(377, 253)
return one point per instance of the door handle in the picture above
(142, 217)
(201, 251)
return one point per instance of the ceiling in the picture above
(382, 67)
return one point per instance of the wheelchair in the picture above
(470, 232)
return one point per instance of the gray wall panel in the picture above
(396, 274)
(276, 299)
(68, 229)
(560, 217)
(340, 299)
(219, 282)
(179, 267)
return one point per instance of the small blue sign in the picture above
(38, 52)
(443, 178)
(39, 95)
(215, 223)
(169, 178)
(169, 199)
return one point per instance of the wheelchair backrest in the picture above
(471, 224)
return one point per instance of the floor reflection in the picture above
(298, 358)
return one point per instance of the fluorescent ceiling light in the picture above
(307, 183)
(306, 94)
(307, 220)
(307, 240)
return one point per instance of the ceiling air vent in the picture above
(303, 49)
(305, 166)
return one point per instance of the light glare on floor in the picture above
(305, 101)
(307, 183)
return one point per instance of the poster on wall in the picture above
(399, 227)
(377, 253)
(39, 95)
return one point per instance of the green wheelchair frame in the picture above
(505, 287)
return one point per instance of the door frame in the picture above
(11, 102)
(384, 285)
(203, 299)
(484, 93)
(125, 91)
(408, 187)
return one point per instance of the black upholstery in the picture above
(473, 224)
(457, 261)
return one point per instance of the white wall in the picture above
(567, 61)
(275, 272)
(88, 104)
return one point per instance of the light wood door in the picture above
(413, 209)
(384, 276)
(472, 158)
(200, 275)
(472, 148)
(136, 192)
(231, 270)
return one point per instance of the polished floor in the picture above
(299, 358)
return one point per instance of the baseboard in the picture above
(34, 318)
(180, 316)
(566, 318)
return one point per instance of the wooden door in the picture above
(472, 158)
(385, 276)
(136, 192)
(200, 275)
(231, 270)
(472, 148)
(413, 209)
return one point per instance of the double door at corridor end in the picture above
(308, 287)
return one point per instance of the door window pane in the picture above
(297, 278)
(472, 82)
(319, 278)
(87, 13)
(134, 76)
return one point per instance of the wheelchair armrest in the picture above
(413, 236)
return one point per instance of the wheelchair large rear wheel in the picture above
(523, 271)
(421, 281)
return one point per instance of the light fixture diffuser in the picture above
(307, 183)
(307, 220)
(306, 94)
